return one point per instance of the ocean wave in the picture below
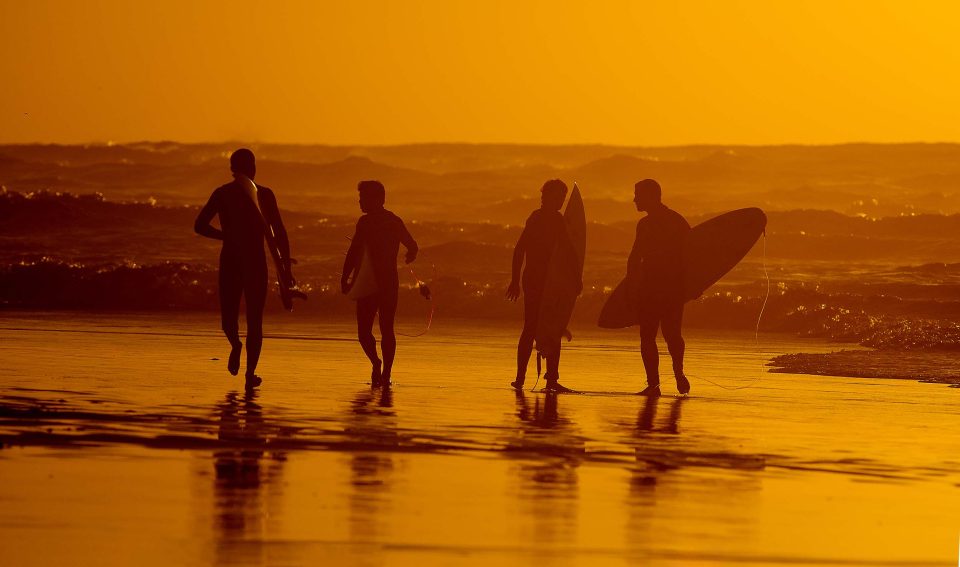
(885, 322)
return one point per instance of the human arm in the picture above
(271, 214)
(354, 255)
(519, 252)
(202, 225)
(409, 243)
(635, 259)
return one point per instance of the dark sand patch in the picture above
(938, 367)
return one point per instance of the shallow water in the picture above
(125, 443)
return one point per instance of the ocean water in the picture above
(125, 441)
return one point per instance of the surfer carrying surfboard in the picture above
(370, 276)
(243, 263)
(655, 275)
(544, 235)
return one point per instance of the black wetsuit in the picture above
(380, 232)
(655, 272)
(243, 262)
(544, 231)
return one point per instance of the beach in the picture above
(124, 440)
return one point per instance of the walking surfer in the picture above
(543, 233)
(244, 209)
(655, 276)
(370, 276)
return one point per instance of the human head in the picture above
(646, 194)
(243, 162)
(372, 195)
(552, 194)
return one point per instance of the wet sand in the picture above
(933, 366)
(125, 443)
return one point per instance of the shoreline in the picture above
(928, 366)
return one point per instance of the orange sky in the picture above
(639, 73)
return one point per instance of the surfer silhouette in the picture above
(655, 276)
(243, 209)
(370, 276)
(544, 231)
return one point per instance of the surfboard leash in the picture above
(424, 290)
(539, 370)
(756, 330)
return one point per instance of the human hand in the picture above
(513, 291)
(410, 257)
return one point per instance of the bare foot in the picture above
(683, 385)
(233, 363)
(651, 391)
(252, 381)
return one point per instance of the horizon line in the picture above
(111, 143)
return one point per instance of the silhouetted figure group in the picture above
(248, 214)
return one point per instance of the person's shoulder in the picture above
(219, 192)
(677, 217)
(265, 192)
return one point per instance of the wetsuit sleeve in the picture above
(271, 213)
(408, 242)
(202, 225)
(354, 253)
(635, 259)
(519, 251)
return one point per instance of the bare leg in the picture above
(672, 322)
(649, 323)
(366, 311)
(388, 338)
(255, 292)
(231, 288)
(531, 311)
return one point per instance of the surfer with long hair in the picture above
(370, 276)
(655, 277)
(244, 209)
(544, 231)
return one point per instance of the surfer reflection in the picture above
(244, 470)
(544, 231)
(549, 453)
(244, 209)
(371, 430)
(655, 454)
(655, 277)
(370, 276)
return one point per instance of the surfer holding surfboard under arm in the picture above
(246, 212)
(669, 265)
(544, 235)
(370, 276)
(655, 272)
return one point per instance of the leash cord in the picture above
(756, 331)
